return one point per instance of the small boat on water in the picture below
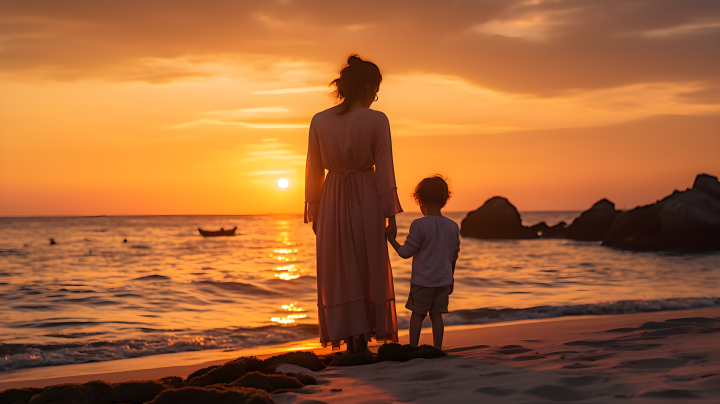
(219, 233)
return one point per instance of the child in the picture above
(434, 244)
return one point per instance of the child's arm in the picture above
(412, 242)
(452, 286)
(455, 258)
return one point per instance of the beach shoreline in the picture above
(476, 343)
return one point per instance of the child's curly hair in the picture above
(432, 191)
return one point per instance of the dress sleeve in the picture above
(385, 170)
(314, 177)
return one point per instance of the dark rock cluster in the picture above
(685, 220)
(245, 380)
(496, 219)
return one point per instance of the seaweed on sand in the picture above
(307, 360)
(404, 353)
(229, 372)
(269, 383)
(353, 359)
(213, 395)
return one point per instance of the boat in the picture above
(220, 233)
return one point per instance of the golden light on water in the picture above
(289, 319)
(282, 320)
(291, 307)
(286, 276)
(283, 183)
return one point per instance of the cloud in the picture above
(217, 122)
(708, 96)
(542, 48)
(271, 172)
(249, 111)
(292, 90)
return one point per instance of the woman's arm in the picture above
(314, 178)
(385, 170)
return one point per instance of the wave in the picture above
(20, 356)
(491, 315)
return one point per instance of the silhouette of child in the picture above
(434, 244)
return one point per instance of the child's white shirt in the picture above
(434, 243)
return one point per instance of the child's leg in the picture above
(438, 328)
(416, 321)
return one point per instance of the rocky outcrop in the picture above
(685, 220)
(594, 223)
(545, 231)
(497, 218)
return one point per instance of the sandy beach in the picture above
(649, 357)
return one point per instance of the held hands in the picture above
(391, 229)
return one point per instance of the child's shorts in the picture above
(424, 299)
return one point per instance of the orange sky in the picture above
(186, 107)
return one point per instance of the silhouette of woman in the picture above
(349, 208)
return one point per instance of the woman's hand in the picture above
(391, 229)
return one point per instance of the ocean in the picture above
(94, 297)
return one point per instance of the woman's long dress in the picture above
(354, 277)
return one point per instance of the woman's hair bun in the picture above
(354, 61)
(354, 80)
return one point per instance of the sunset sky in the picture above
(200, 107)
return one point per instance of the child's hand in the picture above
(452, 287)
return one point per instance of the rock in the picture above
(545, 231)
(539, 228)
(214, 395)
(353, 359)
(228, 373)
(685, 220)
(557, 231)
(594, 223)
(307, 360)
(497, 218)
(306, 380)
(19, 396)
(269, 383)
(138, 392)
(403, 353)
(200, 372)
(73, 393)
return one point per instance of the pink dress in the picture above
(354, 277)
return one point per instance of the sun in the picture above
(283, 183)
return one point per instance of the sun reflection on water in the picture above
(290, 318)
(282, 320)
(291, 307)
(286, 276)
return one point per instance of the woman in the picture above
(356, 299)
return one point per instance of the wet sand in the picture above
(670, 356)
